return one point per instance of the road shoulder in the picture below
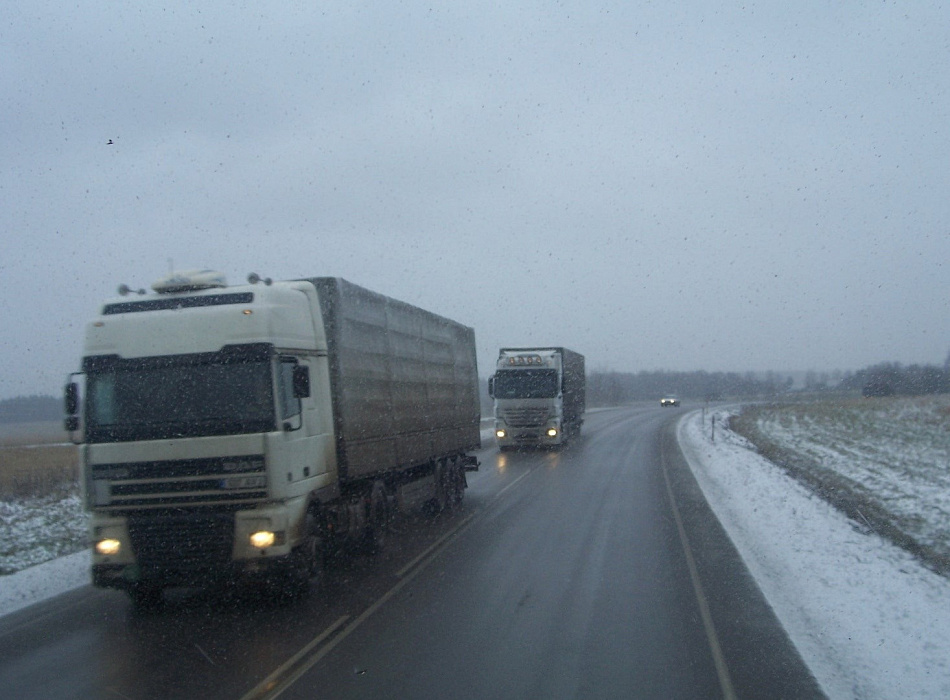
(761, 658)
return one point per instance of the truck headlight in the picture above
(262, 539)
(552, 432)
(108, 547)
(500, 433)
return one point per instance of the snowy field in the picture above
(35, 530)
(886, 460)
(868, 618)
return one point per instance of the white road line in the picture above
(288, 673)
(279, 685)
(437, 544)
(273, 685)
(722, 670)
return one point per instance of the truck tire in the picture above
(306, 563)
(439, 500)
(377, 520)
(455, 485)
(311, 551)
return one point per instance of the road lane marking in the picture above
(437, 545)
(722, 670)
(457, 530)
(273, 683)
(291, 672)
(513, 483)
(295, 667)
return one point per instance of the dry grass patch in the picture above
(37, 471)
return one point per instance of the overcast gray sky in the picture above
(719, 186)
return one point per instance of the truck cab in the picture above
(206, 428)
(538, 395)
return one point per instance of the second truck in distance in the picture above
(539, 396)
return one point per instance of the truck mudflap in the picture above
(470, 463)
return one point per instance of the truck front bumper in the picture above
(528, 436)
(194, 548)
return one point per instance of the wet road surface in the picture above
(593, 572)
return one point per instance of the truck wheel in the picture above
(377, 520)
(456, 490)
(310, 552)
(439, 500)
(306, 563)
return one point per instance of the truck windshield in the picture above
(164, 400)
(526, 384)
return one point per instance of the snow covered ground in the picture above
(892, 456)
(869, 620)
(46, 580)
(35, 530)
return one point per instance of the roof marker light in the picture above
(254, 278)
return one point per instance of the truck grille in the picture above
(160, 484)
(182, 542)
(525, 416)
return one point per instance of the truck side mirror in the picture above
(301, 382)
(491, 386)
(72, 399)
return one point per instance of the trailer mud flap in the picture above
(469, 463)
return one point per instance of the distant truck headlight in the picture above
(108, 547)
(500, 433)
(552, 432)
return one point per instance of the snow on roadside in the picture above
(37, 529)
(43, 581)
(867, 618)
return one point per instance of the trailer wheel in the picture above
(436, 504)
(377, 520)
(454, 485)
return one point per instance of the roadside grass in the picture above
(41, 515)
(36, 471)
(885, 463)
(38, 433)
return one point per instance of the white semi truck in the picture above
(539, 396)
(244, 431)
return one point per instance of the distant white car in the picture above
(670, 400)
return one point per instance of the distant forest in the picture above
(606, 388)
(31, 409)
(892, 379)
(886, 379)
(612, 388)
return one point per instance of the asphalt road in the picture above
(596, 572)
